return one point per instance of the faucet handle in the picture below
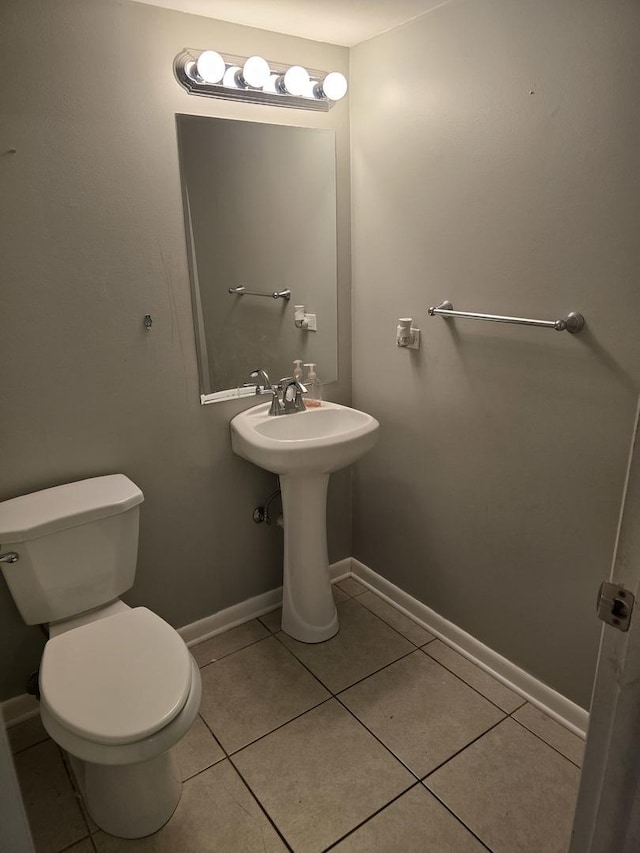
(276, 406)
(287, 381)
(298, 404)
(292, 399)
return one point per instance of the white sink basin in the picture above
(319, 440)
(304, 448)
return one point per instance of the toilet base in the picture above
(130, 800)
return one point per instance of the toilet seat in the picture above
(117, 680)
(128, 753)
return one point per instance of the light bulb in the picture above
(256, 72)
(296, 79)
(310, 90)
(229, 79)
(191, 70)
(270, 84)
(210, 66)
(334, 86)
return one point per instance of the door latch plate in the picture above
(615, 605)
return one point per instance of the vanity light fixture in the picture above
(253, 79)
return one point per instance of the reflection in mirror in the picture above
(260, 213)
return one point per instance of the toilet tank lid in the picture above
(41, 513)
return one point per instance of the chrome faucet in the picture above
(290, 388)
(292, 391)
(267, 388)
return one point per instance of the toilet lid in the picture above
(118, 679)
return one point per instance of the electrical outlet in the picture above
(415, 339)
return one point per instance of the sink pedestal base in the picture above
(308, 609)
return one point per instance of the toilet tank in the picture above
(77, 546)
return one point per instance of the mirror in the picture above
(260, 212)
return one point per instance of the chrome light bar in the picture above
(253, 79)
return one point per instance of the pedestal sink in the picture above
(304, 448)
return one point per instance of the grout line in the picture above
(375, 672)
(229, 754)
(460, 678)
(331, 696)
(371, 816)
(213, 763)
(45, 737)
(342, 689)
(227, 757)
(280, 726)
(462, 749)
(66, 763)
(546, 743)
(381, 742)
(31, 745)
(228, 654)
(444, 666)
(212, 733)
(388, 624)
(261, 807)
(88, 838)
(547, 699)
(350, 577)
(457, 818)
(360, 723)
(336, 696)
(271, 633)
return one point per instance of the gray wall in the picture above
(92, 239)
(495, 163)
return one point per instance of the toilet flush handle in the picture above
(9, 557)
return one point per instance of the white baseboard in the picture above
(549, 701)
(340, 570)
(18, 709)
(221, 621)
(252, 608)
(21, 708)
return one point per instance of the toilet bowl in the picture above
(118, 685)
(117, 694)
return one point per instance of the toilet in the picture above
(118, 685)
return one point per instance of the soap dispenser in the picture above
(297, 369)
(314, 388)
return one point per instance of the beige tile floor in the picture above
(380, 739)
